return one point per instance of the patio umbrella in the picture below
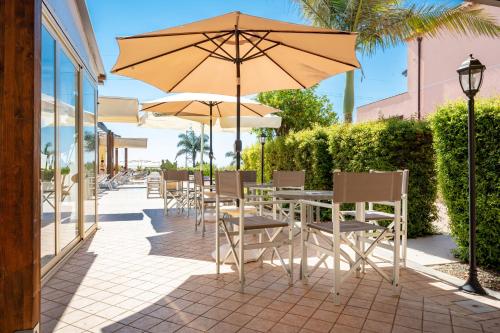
(191, 105)
(236, 54)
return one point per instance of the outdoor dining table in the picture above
(301, 197)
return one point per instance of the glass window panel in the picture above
(47, 157)
(89, 153)
(67, 97)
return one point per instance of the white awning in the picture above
(130, 143)
(118, 109)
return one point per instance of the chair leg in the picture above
(397, 248)
(241, 256)
(217, 238)
(303, 234)
(336, 259)
(202, 219)
(195, 211)
(290, 245)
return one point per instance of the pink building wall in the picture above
(440, 58)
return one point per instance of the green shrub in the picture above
(450, 141)
(385, 145)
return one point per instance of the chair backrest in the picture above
(198, 178)
(229, 183)
(352, 187)
(249, 176)
(176, 175)
(289, 179)
(406, 177)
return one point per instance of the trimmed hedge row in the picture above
(450, 141)
(385, 145)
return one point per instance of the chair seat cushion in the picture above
(257, 222)
(371, 215)
(346, 226)
(213, 200)
(234, 211)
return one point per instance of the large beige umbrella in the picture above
(236, 54)
(197, 105)
(202, 107)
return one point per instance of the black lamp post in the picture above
(262, 139)
(471, 76)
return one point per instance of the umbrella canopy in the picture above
(201, 56)
(236, 54)
(248, 122)
(198, 105)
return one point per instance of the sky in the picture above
(380, 78)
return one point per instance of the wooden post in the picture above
(20, 99)
(109, 153)
(126, 158)
(117, 164)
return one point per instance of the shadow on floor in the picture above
(122, 217)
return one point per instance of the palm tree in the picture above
(190, 145)
(48, 153)
(232, 156)
(385, 23)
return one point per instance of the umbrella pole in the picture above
(210, 153)
(237, 144)
(202, 142)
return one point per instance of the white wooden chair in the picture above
(229, 184)
(375, 216)
(203, 199)
(176, 190)
(356, 188)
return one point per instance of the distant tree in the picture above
(384, 23)
(302, 109)
(232, 156)
(167, 165)
(89, 141)
(190, 145)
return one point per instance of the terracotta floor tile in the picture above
(145, 322)
(202, 323)
(282, 328)
(377, 326)
(402, 329)
(411, 322)
(318, 325)
(293, 320)
(259, 324)
(355, 311)
(217, 313)
(431, 326)
(339, 328)
(302, 310)
(224, 327)
(238, 319)
(350, 321)
(381, 316)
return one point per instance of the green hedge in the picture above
(450, 141)
(385, 145)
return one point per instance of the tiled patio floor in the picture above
(145, 273)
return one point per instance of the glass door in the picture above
(67, 115)
(48, 149)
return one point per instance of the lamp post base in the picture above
(473, 286)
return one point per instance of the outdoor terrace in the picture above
(143, 272)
